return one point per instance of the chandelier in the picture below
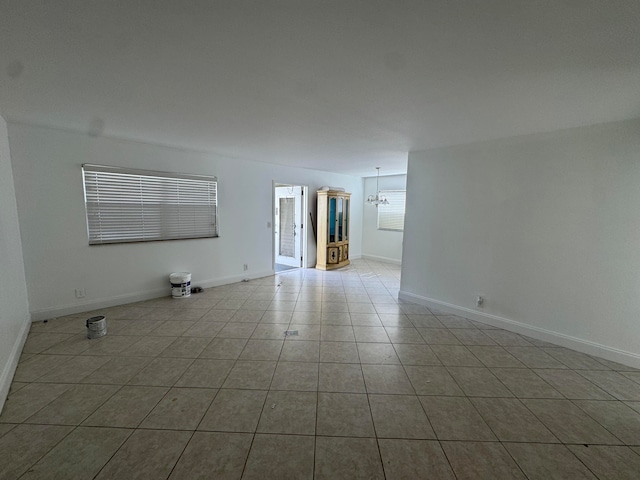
(378, 198)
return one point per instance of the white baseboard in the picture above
(10, 367)
(381, 259)
(88, 306)
(578, 344)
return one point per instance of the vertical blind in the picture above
(126, 205)
(391, 217)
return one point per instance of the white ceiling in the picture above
(334, 85)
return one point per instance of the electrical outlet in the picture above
(246, 267)
(480, 301)
(80, 293)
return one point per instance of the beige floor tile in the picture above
(568, 422)
(378, 353)
(455, 418)
(574, 360)
(224, 348)
(306, 318)
(524, 383)
(341, 377)
(251, 375)
(270, 331)
(335, 318)
(404, 459)
(472, 336)
(39, 342)
(172, 328)
(455, 356)
(80, 455)
(495, 356)
(365, 320)
(347, 458)
(425, 321)
(234, 411)
(248, 316)
(337, 333)
(276, 316)
(162, 372)
(28, 400)
(74, 370)
(534, 357)
(339, 352)
(237, 330)
(213, 455)
(614, 383)
(305, 333)
(127, 408)
(71, 346)
(344, 414)
(411, 354)
(408, 335)
(390, 379)
(507, 339)
(609, 462)
(399, 416)
(542, 462)
(572, 385)
(438, 336)
(481, 460)
(24, 445)
(295, 376)
(289, 412)
(110, 345)
(74, 405)
(370, 334)
(511, 421)
(428, 380)
(180, 409)
(36, 366)
(146, 454)
(150, 346)
(262, 350)
(117, 371)
(300, 351)
(206, 373)
(478, 382)
(280, 456)
(204, 329)
(616, 417)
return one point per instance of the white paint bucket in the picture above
(180, 284)
(96, 327)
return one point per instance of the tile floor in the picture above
(208, 387)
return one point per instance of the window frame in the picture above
(178, 206)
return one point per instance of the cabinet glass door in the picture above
(346, 219)
(332, 220)
(339, 219)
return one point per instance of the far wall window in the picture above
(391, 217)
(125, 205)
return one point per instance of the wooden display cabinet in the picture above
(333, 229)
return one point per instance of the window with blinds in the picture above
(391, 217)
(125, 205)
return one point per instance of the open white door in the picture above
(288, 226)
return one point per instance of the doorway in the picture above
(288, 227)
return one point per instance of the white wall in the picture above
(546, 226)
(14, 307)
(383, 245)
(49, 194)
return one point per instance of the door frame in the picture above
(304, 213)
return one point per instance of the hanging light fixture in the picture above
(378, 198)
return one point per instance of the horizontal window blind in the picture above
(391, 217)
(126, 205)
